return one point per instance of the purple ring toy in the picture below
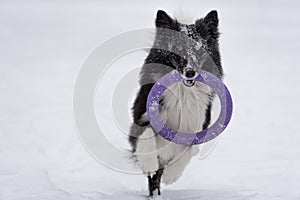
(189, 138)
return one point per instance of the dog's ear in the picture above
(208, 26)
(211, 19)
(163, 20)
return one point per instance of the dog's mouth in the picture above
(189, 75)
(189, 83)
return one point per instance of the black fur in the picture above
(207, 116)
(154, 182)
(163, 20)
(140, 102)
(208, 29)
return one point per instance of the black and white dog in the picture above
(185, 106)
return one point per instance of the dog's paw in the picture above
(171, 174)
(174, 170)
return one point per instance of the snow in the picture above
(43, 44)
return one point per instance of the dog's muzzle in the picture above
(189, 75)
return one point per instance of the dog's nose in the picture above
(190, 73)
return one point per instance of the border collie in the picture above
(185, 106)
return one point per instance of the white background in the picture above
(42, 46)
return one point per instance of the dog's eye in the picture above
(174, 62)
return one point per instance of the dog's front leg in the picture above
(175, 169)
(146, 152)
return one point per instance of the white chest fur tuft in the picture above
(184, 110)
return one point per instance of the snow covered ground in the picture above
(43, 44)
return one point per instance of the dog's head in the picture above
(188, 56)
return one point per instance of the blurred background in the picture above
(42, 47)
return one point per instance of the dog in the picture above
(184, 106)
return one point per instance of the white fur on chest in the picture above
(184, 110)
